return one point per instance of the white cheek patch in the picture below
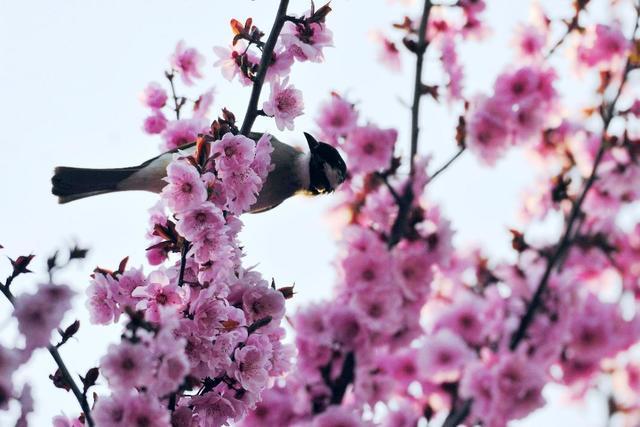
(333, 176)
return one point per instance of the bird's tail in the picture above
(71, 184)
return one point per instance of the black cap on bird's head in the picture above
(327, 170)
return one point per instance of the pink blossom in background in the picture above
(530, 42)
(155, 123)
(203, 104)
(284, 104)
(126, 365)
(40, 314)
(187, 61)
(602, 45)
(337, 118)
(452, 67)
(370, 148)
(388, 52)
(154, 96)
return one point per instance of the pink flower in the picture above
(171, 373)
(284, 104)
(370, 148)
(530, 41)
(388, 53)
(126, 365)
(337, 117)
(154, 96)
(159, 292)
(364, 272)
(40, 313)
(306, 41)
(312, 323)
(413, 264)
(403, 366)
(524, 83)
(478, 383)
(230, 59)
(452, 67)
(337, 416)
(213, 409)
(180, 132)
(251, 369)
(101, 299)
(155, 123)
(233, 153)
(602, 45)
(465, 319)
(203, 104)
(188, 62)
(275, 409)
(144, 410)
(280, 66)
(127, 283)
(443, 356)
(110, 411)
(242, 188)
(196, 221)
(488, 134)
(262, 161)
(518, 385)
(379, 309)
(185, 190)
(261, 302)
(63, 421)
(346, 328)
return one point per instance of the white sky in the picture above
(70, 75)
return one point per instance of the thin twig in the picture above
(183, 262)
(177, 102)
(265, 61)
(80, 397)
(446, 165)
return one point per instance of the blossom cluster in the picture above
(203, 336)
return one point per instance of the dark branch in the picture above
(417, 84)
(406, 200)
(456, 417)
(267, 53)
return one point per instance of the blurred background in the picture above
(70, 77)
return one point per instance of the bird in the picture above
(293, 172)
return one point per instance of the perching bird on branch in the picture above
(293, 172)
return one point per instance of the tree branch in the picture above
(177, 101)
(267, 53)
(417, 84)
(80, 397)
(607, 113)
(406, 200)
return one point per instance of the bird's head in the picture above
(327, 170)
